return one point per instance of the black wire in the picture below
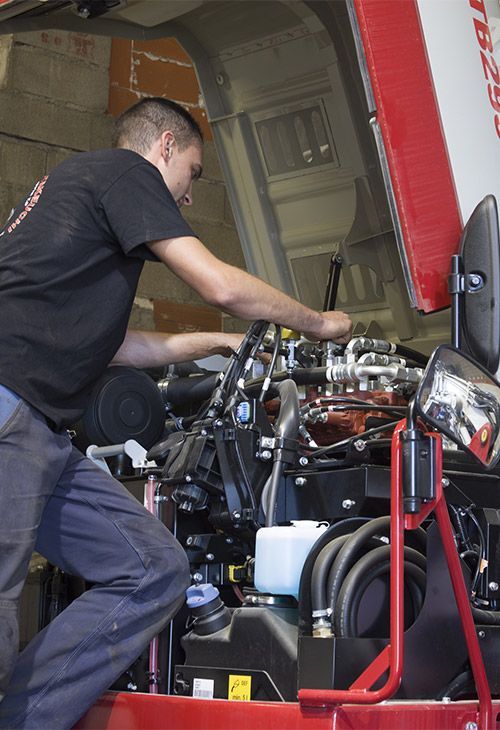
(396, 411)
(342, 444)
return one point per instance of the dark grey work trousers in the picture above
(55, 501)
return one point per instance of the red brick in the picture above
(201, 117)
(120, 65)
(160, 78)
(172, 317)
(120, 99)
(164, 48)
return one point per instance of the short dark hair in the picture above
(138, 127)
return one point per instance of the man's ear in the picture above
(167, 145)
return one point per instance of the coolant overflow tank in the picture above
(280, 554)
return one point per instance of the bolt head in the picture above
(359, 445)
(470, 726)
(300, 481)
(493, 585)
(197, 577)
(210, 556)
(189, 540)
(303, 461)
(266, 455)
(187, 478)
(348, 503)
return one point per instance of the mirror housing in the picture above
(460, 399)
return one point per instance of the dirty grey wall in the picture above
(54, 89)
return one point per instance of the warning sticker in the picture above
(239, 687)
(203, 688)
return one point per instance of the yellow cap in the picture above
(287, 334)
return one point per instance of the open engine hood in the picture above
(323, 146)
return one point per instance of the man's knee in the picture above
(167, 574)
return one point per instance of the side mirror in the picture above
(459, 398)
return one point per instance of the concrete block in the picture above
(222, 241)
(80, 46)
(101, 131)
(6, 202)
(233, 324)
(211, 165)
(228, 211)
(6, 43)
(37, 118)
(157, 282)
(39, 72)
(56, 155)
(21, 163)
(208, 203)
(141, 318)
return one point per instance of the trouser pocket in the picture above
(10, 404)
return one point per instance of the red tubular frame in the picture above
(391, 657)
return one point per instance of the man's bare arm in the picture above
(153, 349)
(243, 295)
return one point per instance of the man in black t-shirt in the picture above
(70, 258)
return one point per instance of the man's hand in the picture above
(336, 326)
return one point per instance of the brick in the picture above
(175, 317)
(164, 78)
(39, 119)
(39, 72)
(21, 163)
(120, 64)
(164, 48)
(88, 48)
(5, 55)
(121, 99)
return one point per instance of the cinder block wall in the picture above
(53, 103)
(59, 93)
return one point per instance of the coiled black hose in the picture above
(322, 566)
(370, 566)
(339, 528)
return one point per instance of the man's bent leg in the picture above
(93, 528)
(31, 459)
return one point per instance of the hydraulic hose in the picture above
(369, 567)
(344, 527)
(481, 616)
(286, 427)
(195, 388)
(322, 566)
(349, 553)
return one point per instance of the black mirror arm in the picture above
(456, 290)
(418, 462)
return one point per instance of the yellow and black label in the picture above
(239, 687)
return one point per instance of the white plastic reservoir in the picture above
(280, 554)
